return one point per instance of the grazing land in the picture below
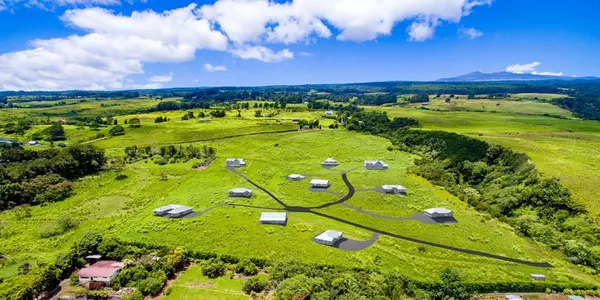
(527, 107)
(566, 149)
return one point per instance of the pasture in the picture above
(566, 149)
(500, 106)
(123, 208)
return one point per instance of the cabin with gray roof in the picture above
(277, 218)
(375, 165)
(329, 237)
(240, 193)
(235, 162)
(438, 212)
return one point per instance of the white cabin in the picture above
(319, 183)
(330, 162)
(240, 193)
(235, 162)
(438, 212)
(375, 165)
(394, 189)
(278, 218)
(329, 237)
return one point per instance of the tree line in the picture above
(498, 181)
(35, 177)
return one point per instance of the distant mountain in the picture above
(507, 76)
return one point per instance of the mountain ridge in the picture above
(508, 76)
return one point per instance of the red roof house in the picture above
(102, 271)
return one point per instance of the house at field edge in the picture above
(305, 127)
(295, 177)
(235, 162)
(394, 189)
(513, 297)
(33, 143)
(102, 271)
(329, 113)
(438, 212)
(329, 237)
(330, 162)
(173, 211)
(573, 297)
(296, 120)
(539, 277)
(9, 142)
(277, 218)
(240, 192)
(375, 165)
(319, 183)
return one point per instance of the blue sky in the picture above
(99, 44)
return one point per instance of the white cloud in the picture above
(548, 73)
(419, 32)
(117, 46)
(254, 21)
(161, 78)
(530, 69)
(305, 54)
(520, 69)
(470, 33)
(210, 68)
(261, 53)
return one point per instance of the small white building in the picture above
(438, 212)
(539, 277)
(235, 162)
(277, 218)
(394, 189)
(513, 297)
(329, 237)
(296, 177)
(240, 193)
(173, 211)
(34, 143)
(102, 271)
(330, 162)
(375, 165)
(319, 183)
(329, 113)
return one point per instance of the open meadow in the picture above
(123, 208)
(566, 149)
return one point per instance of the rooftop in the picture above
(104, 268)
(319, 181)
(273, 216)
(240, 190)
(331, 160)
(329, 235)
(172, 207)
(439, 210)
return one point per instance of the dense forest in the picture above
(494, 180)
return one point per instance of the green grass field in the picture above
(500, 106)
(566, 149)
(193, 285)
(124, 209)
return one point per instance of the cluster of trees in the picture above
(218, 113)
(190, 115)
(501, 182)
(116, 130)
(161, 119)
(584, 105)
(312, 124)
(378, 122)
(20, 127)
(150, 266)
(169, 154)
(35, 177)
(377, 99)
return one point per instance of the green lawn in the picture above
(566, 149)
(124, 209)
(191, 284)
(501, 106)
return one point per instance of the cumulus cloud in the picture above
(161, 78)
(305, 54)
(525, 68)
(419, 31)
(246, 21)
(470, 33)
(114, 46)
(211, 68)
(261, 53)
(530, 69)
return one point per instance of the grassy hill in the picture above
(566, 149)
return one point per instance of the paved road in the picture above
(355, 245)
(350, 194)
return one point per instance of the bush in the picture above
(246, 267)
(213, 268)
(116, 130)
(135, 122)
(255, 284)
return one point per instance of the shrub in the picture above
(213, 268)
(255, 284)
(116, 130)
(246, 267)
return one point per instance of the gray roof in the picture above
(240, 190)
(438, 210)
(273, 216)
(329, 235)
